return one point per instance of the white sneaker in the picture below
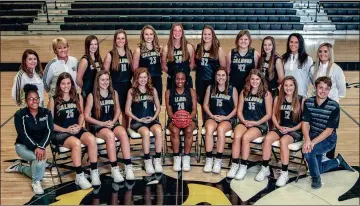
(95, 177)
(37, 188)
(149, 168)
(177, 164)
(233, 170)
(14, 167)
(129, 174)
(208, 164)
(217, 166)
(263, 173)
(116, 175)
(282, 180)
(186, 163)
(241, 173)
(158, 165)
(82, 181)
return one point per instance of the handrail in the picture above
(47, 12)
(56, 5)
(317, 10)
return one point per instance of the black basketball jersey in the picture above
(124, 73)
(272, 84)
(221, 103)
(143, 106)
(66, 114)
(286, 112)
(107, 108)
(180, 101)
(151, 61)
(89, 76)
(178, 64)
(254, 107)
(206, 66)
(240, 67)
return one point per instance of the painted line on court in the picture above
(354, 120)
(6, 121)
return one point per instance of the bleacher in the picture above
(16, 16)
(193, 15)
(345, 15)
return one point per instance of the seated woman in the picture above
(102, 111)
(143, 107)
(254, 111)
(181, 98)
(286, 117)
(67, 110)
(34, 127)
(220, 105)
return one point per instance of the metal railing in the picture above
(45, 10)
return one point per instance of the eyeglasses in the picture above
(31, 99)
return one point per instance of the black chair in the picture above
(242, 18)
(352, 27)
(298, 26)
(249, 12)
(243, 26)
(254, 26)
(260, 12)
(239, 12)
(231, 27)
(270, 12)
(340, 27)
(264, 26)
(273, 18)
(262, 18)
(280, 11)
(286, 26)
(275, 26)
(221, 27)
(252, 19)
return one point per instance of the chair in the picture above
(228, 134)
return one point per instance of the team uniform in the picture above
(180, 102)
(222, 104)
(65, 115)
(121, 79)
(240, 67)
(273, 85)
(178, 65)
(143, 106)
(89, 77)
(106, 113)
(254, 109)
(286, 112)
(205, 73)
(151, 61)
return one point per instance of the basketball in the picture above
(181, 119)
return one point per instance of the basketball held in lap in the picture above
(181, 119)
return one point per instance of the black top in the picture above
(286, 112)
(151, 60)
(124, 73)
(272, 84)
(178, 64)
(320, 117)
(254, 107)
(107, 108)
(89, 76)
(206, 66)
(241, 66)
(34, 132)
(221, 104)
(144, 106)
(180, 101)
(67, 114)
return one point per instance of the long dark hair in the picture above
(38, 68)
(135, 84)
(301, 51)
(58, 97)
(262, 58)
(216, 89)
(97, 53)
(115, 56)
(183, 41)
(96, 91)
(215, 44)
(295, 102)
(263, 88)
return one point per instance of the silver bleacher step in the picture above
(44, 27)
(319, 27)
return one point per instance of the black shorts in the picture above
(157, 83)
(201, 86)
(170, 120)
(137, 125)
(296, 135)
(96, 128)
(263, 128)
(171, 81)
(239, 85)
(60, 137)
(233, 121)
(122, 89)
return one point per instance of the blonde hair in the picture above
(331, 59)
(57, 41)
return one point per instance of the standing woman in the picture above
(148, 55)
(61, 63)
(286, 117)
(220, 105)
(30, 72)
(270, 64)
(254, 111)
(241, 60)
(181, 98)
(119, 63)
(209, 57)
(67, 111)
(298, 63)
(89, 65)
(177, 55)
(34, 127)
(102, 111)
(143, 107)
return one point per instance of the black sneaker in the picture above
(344, 164)
(316, 182)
